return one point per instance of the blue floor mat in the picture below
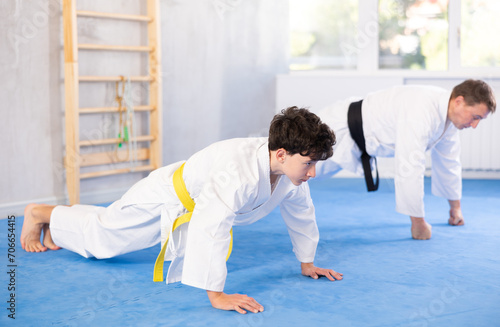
(389, 279)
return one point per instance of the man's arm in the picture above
(447, 174)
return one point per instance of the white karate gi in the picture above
(230, 183)
(401, 122)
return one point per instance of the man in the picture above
(233, 182)
(404, 122)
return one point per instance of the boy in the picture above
(232, 182)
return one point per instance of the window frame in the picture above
(368, 43)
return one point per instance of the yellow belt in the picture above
(188, 203)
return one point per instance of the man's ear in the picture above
(459, 100)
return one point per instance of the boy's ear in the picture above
(281, 155)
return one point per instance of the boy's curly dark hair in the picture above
(297, 130)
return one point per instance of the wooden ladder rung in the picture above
(97, 110)
(114, 78)
(108, 47)
(95, 164)
(116, 171)
(88, 13)
(143, 138)
(106, 158)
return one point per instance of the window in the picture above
(425, 35)
(318, 28)
(479, 23)
(413, 34)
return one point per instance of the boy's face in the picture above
(299, 168)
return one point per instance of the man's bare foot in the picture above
(420, 229)
(36, 219)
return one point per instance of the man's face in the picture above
(299, 168)
(465, 116)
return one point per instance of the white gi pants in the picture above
(100, 232)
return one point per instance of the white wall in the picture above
(219, 58)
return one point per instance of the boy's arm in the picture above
(298, 213)
(308, 269)
(237, 302)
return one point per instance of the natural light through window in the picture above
(319, 29)
(413, 34)
(384, 35)
(477, 48)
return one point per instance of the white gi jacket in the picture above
(402, 122)
(229, 182)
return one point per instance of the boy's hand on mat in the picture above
(237, 302)
(308, 269)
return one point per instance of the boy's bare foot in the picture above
(47, 239)
(36, 220)
(420, 229)
(31, 232)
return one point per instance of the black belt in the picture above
(355, 122)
